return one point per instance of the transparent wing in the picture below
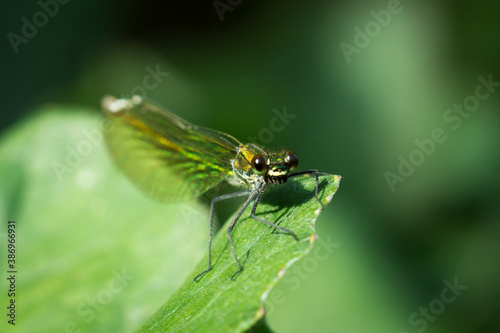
(164, 155)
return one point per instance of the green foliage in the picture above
(77, 229)
(81, 227)
(219, 304)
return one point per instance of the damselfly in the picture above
(171, 159)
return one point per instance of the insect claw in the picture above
(234, 275)
(197, 278)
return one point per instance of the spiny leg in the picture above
(317, 174)
(254, 208)
(240, 212)
(212, 206)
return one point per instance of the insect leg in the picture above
(240, 212)
(212, 206)
(254, 208)
(317, 174)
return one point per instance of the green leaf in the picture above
(217, 303)
(96, 255)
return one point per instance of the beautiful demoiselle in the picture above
(171, 159)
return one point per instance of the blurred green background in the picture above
(358, 102)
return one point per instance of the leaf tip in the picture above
(313, 238)
(261, 312)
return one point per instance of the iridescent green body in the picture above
(171, 159)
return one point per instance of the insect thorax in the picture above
(242, 169)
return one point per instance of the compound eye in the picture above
(291, 160)
(259, 166)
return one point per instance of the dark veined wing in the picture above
(164, 155)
